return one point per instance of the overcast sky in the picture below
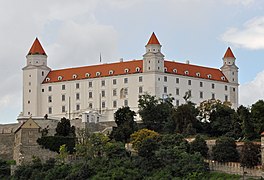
(74, 33)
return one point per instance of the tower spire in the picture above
(229, 53)
(36, 48)
(153, 39)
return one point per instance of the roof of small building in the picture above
(132, 67)
(229, 53)
(36, 48)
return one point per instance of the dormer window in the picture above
(74, 76)
(47, 79)
(165, 69)
(153, 49)
(198, 74)
(186, 72)
(111, 72)
(126, 70)
(174, 70)
(209, 76)
(87, 75)
(98, 73)
(59, 78)
(223, 78)
(137, 69)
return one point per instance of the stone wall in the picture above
(6, 146)
(235, 168)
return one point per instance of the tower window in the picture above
(49, 99)
(29, 90)
(42, 90)
(201, 94)
(42, 73)
(234, 89)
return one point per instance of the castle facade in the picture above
(94, 93)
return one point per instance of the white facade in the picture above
(76, 92)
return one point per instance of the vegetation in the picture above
(250, 155)
(65, 135)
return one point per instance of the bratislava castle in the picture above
(95, 92)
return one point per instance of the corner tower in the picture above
(230, 70)
(34, 73)
(153, 59)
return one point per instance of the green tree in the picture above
(98, 144)
(250, 155)
(225, 150)
(155, 113)
(64, 128)
(63, 153)
(199, 145)
(248, 129)
(184, 119)
(257, 113)
(141, 135)
(124, 118)
(4, 169)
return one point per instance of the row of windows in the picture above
(90, 84)
(87, 75)
(123, 92)
(78, 106)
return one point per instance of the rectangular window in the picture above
(49, 99)
(114, 104)
(77, 85)
(177, 102)
(213, 95)
(126, 91)
(90, 105)
(42, 90)
(90, 94)
(189, 82)
(165, 89)
(50, 88)
(63, 97)
(140, 79)
(213, 86)
(234, 89)
(114, 81)
(225, 88)
(201, 94)
(63, 109)
(226, 97)
(77, 96)
(125, 80)
(177, 91)
(103, 104)
(114, 92)
(63, 87)
(201, 84)
(165, 79)
(190, 93)
(103, 93)
(77, 107)
(125, 102)
(90, 84)
(140, 89)
(177, 80)
(50, 110)
(103, 82)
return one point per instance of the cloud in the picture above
(256, 86)
(250, 36)
(242, 2)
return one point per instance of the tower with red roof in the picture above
(34, 73)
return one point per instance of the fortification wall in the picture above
(7, 146)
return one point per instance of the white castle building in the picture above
(94, 93)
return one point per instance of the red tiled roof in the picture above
(36, 48)
(153, 39)
(119, 69)
(229, 53)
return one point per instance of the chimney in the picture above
(121, 59)
(187, 62)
